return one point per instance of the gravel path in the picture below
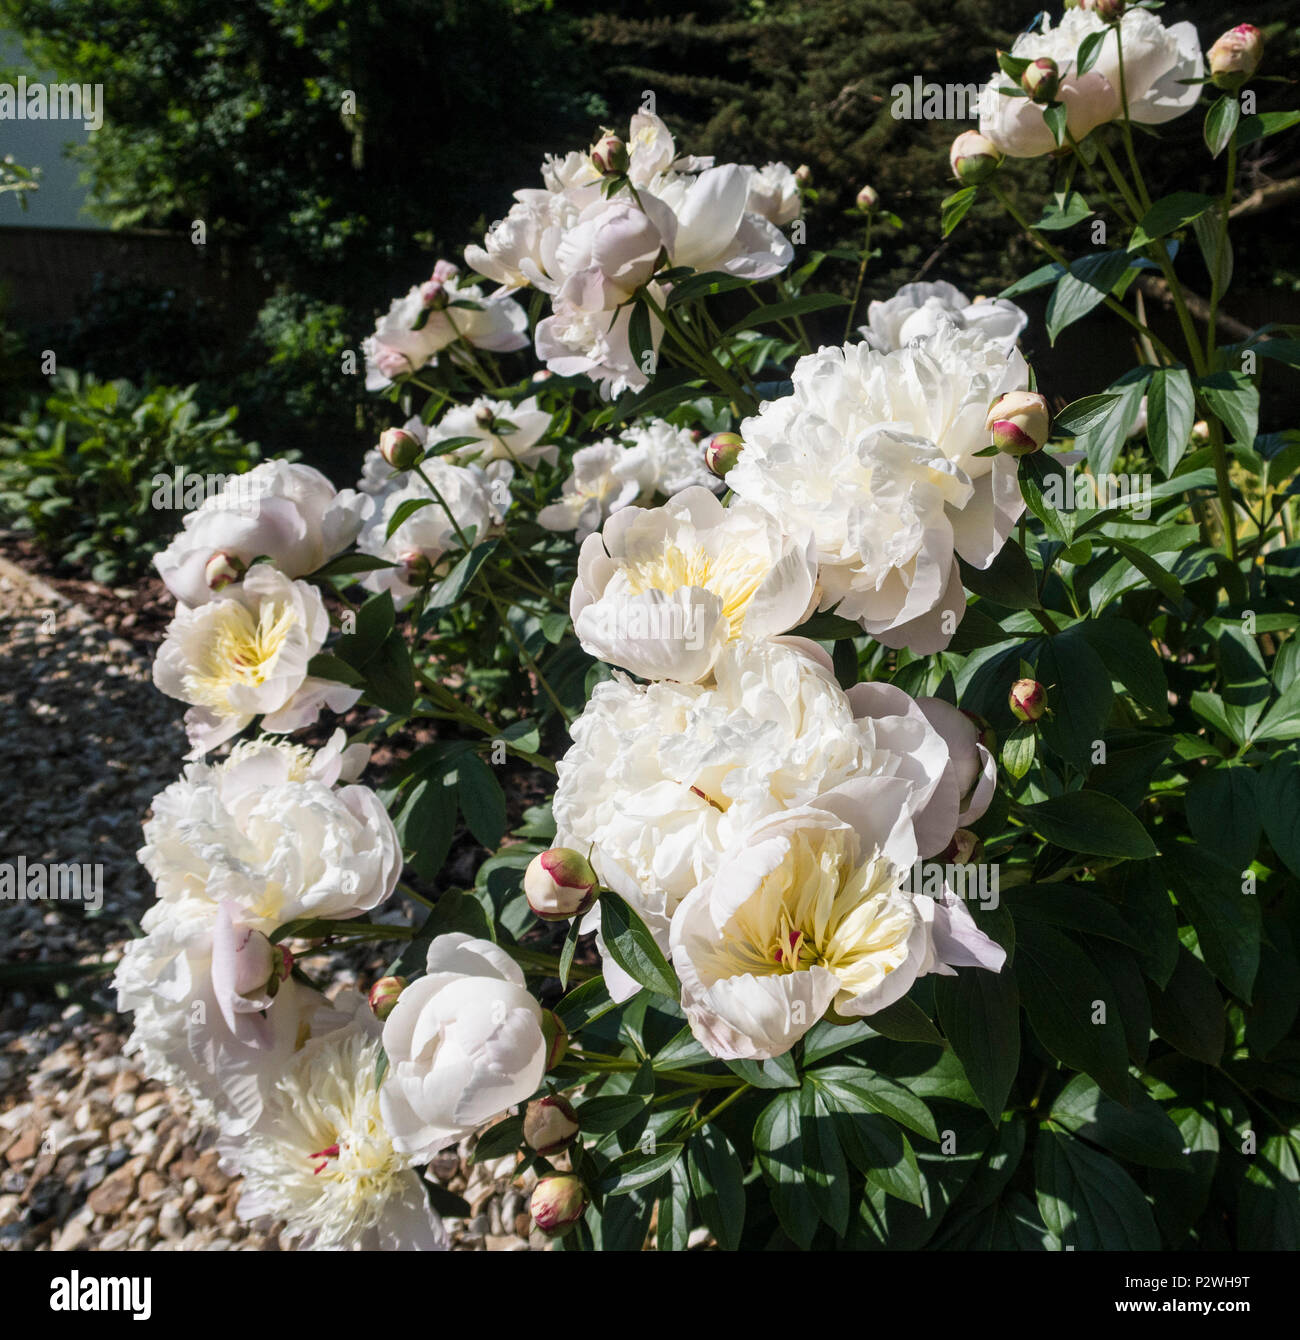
(93, 1156)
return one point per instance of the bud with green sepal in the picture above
(550, 1124)
(383, 995)
(1235, 57)
(1027, 700)
(558, 1203)
(1019, 422)
(560, 884)
(974, 158)
(722, 453)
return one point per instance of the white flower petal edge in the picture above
(661, 591)
(803, 916)
(464, 1043)
(917, 310)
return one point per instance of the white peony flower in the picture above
(189, 1028)
(660, 592)
(322, 1160)
(916, 311)
(1157, 61)
(774, 194)
(519, 249)
(588, 334)
(802, 916)
(503, 432)
(464, 1043)
(290, 514)
(607, 476)
(878, 455)
(469, 502)
(267, 830)
(412, 333)
(662, 779)
(245, 655)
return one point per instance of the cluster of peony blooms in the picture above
(606, 222)
(761, 820)
(275, 833)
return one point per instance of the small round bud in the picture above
(1109, 11)
(445, 271)
(434, 295)
(399, 448)
(610, 156)
(222, 569)
(556, 1037)
(1041, 80)
(867, 200)
(722, 453)
(543, 374)
(964, 848)
(803, 175)
(484, 417)
(560, 884)
(1027, 699)
(1019, 422)
(550, 1124)
(973, 157)
(1200, 432)
(1236, 56)
(415, 567)
(384, 994)
(557, 1203)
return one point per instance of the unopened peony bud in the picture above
(1200, 432)
(222, 569)
(556, 1037)
(543, 374)
(1028, 700)
(964, 848)
(867, 200)
(399, 448)
(1236, 56)
(722, 453)
(610, 156)
(434, 295)
(484, 417)
(1109, 11)
(415, 567)
(1041, 80)
(974, 158)
(445, 271)
(1019, 422)
(803, 175)
(384, 994)
(560, 884)
(283, 965)
(550, 1124)
(557, 1203)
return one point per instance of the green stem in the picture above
(1127, 123)
(1055, 254)
(857, 288)
(526, 656)
(716, 1112)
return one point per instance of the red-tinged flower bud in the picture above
(560, 884)
(1236, 56)
(609, 156)
(416, 569)
(557, 1203)
(973, 157)
(964, 848)
(384, 994)
(803, 175)
(543, 374)
(399, 448)
(1041, 80)
(1028, 700)
(550, 1124)
(1019, 422)
(222, 569)
(284, 965)
(445, 271)
(484, 417)
(722, 453)
(556, 1037)
(1109, 11)
(867, 199)
(434, 295)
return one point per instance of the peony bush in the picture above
(885, 815)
